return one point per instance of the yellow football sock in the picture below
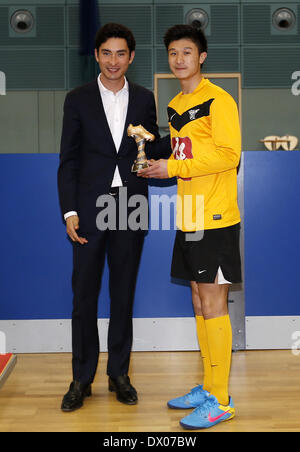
(203, 344)
(219, 336)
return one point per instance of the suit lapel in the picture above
(129, 117)
(98, 111)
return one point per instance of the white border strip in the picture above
(154, 334)
(272, 332)
(52, 336)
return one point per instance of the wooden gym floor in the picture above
(264, 385)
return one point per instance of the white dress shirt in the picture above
(115, 108)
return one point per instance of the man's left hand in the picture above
(157, 169)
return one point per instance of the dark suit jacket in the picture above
(88, 155)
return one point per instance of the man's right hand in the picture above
(72, 225)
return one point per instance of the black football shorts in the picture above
(217, 252)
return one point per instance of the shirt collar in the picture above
(104, 90)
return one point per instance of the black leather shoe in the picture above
(125, 391)
(75, 396)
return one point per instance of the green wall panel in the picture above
(46, 122)
(31, 69)
(281, 2)
(161, 60)
(39, 69)
(49, 24)
(31, 122)
(269, 67)
(78, 73)
(59, 98)
(73, 25)
(139, 20)
(141, 70)
(257, 25)
(113, 2)
(165, 17)
(25, 3)
(196, 3)
(50, 114)
(222, 59)
(225, 24)
(19, 123)
(268, 112)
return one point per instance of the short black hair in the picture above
(113, 30)
(196, 35)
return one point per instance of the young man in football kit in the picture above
(205, 135)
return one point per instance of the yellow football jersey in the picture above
(206, 143)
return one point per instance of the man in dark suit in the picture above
(96, 159)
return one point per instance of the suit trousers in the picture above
(123, 249)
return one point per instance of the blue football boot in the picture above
(196, 397)
(210, 413)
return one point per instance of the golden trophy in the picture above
(141, 135)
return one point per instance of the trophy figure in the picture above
(140, 135)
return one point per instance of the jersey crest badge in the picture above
(193, 113)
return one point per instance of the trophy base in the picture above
(137, 166)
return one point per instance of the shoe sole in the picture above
(189, 427)
(181, 408)
(69, 410)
